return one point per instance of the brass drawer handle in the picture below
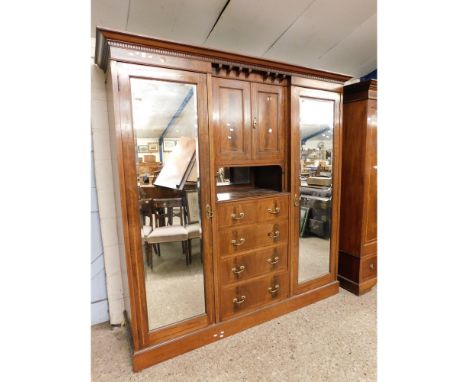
(274, 212)
(239, 270)
(241, 241)
(273, 261)
(371, 266)
(239, 301)
(238, 217)
(273, 291)
(255, 122)
(274, 235)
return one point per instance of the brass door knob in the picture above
(275, 290)
(240, 216)
(239, 301)
(273, 261)
(275, 211)
(237, 243)
(239, 270)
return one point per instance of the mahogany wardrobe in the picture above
(227, 179)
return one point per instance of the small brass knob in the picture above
(371, 266)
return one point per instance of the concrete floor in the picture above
(332, 340)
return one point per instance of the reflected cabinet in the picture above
(227, 175)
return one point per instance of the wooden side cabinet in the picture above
(357, 270)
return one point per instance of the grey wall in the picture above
(99, 303)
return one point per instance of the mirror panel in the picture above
(166, 150)
(316, 163)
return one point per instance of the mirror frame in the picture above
(297, 92)
(130, 199)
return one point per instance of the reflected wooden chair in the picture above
(193, 227)
(146, 218)
(168, 225)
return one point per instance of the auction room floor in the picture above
(331, 340)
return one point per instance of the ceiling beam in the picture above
(173, 119)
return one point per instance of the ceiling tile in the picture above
(108, 13)
(186, 21)
(322, 27)
(251, 26)
(357, 53)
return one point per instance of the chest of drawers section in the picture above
(252, 252)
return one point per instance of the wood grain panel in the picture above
(252, 237)
(253, 264)
(232, 123)
(352, 182)
(238, 213)
(358, 238)
(182, 344)
(268, 122)
(368, 268)
(253, 294)
(370, 212)
(273, 209)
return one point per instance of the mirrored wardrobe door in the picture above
(167, 115)
(314, 159)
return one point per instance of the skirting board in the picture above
(161, 352)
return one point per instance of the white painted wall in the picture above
(105, 193)
(99, 302)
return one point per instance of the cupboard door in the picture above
(315, 183)
(164, 132)
(370, 211)
(231, 120)
(268, 122)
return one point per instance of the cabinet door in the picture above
(164, 141)
(315, 184)
(268, 122)
(370, 209)
(231, 121)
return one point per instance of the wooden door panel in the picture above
(129, 75)
(370, 228)
(231, 117)
(268, 121)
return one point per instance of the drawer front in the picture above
(234, 214)
(243, 267)
(368, 268)
(247, 296)
(273, 209)
(245, 238)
